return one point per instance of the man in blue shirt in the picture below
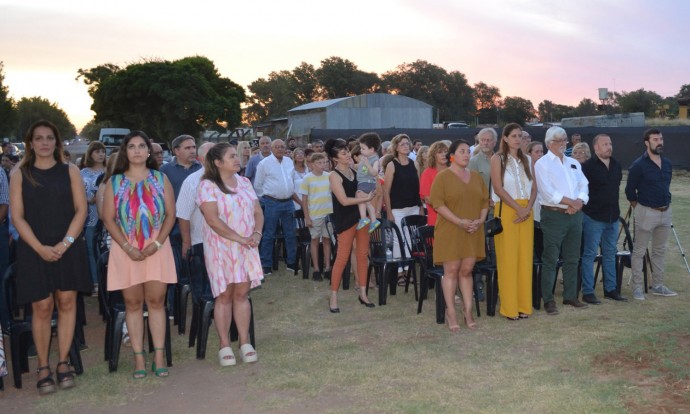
(649, 192)
(265, 148)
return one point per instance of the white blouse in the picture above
(515, 180)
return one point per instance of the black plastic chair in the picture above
(20, 335)
(202, 308)
(182, 289)
(385, 268)
(303, 244)
(408, 228)
(114, 305)
(624, 258)
(425, 234)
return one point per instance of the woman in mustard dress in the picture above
(139, 212)
(461, 200)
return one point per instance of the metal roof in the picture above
(318, 104)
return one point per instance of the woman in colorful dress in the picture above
(48, 206)
(92, 166)
(233, 220)
(139, 212)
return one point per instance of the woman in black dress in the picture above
(48, 206)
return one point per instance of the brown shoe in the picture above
(550, 308)
(574, 303)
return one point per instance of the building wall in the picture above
(358, 118)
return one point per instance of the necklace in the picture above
(347, 173)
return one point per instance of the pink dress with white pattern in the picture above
(228, 261)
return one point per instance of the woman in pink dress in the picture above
(232, 232)
(139, 212)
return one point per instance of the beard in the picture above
(658, 150)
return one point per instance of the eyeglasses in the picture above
(560, 140)
(157, 152)
(404, 143)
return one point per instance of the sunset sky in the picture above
(556, 50)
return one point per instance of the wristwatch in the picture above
(70, 239)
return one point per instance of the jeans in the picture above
(90, 236)
(275, 211)
(598, 233)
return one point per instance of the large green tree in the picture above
(488, 101)
(165, 98)
(684, 91)
(30, 110)
(449, 93)
(271, 97)
(639, 101)
(8, 112)
(338, 77)
(516, 109)
(553, 112)
(586, 107)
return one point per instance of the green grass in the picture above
(612, 358)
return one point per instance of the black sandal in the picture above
(46, 385)
(65, 379)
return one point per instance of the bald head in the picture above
(203, 150)
(157, 152)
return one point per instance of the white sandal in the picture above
(246, 350)
(226, 358)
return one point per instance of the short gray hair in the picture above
(180, 139)
(554, 132)
(491, 131)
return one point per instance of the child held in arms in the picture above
(367, 174)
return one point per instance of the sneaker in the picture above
(316, 276)
(267, 271)
(291, 267)
(375, 225)
(363, 223)
(638, 294)
(662, 290)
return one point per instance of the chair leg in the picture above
(306, 261)
(475, 290)
(382, 276)
(491, 293)
(116, 341)
(15, 344)
(440, 304)
(194, 324)
(423, 290)
(252, 337)
(168, 343)
(536, 286)
(204, 328)
(75, 357)
(184, 298)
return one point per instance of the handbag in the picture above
(494, 226)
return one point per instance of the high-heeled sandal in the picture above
(140, 373)
(470, 325)
(65, 379)
(161, 372)
(45, 385)
(453, 328)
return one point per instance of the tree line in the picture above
(167, 98)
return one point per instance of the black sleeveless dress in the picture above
(345, 216)
(49, 210)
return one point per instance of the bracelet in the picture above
(158, 244)
(257, 232)
(64, 244)
(125, 244)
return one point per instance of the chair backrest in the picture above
(8, 286)
(628, 240)
(408, 227)
(303, 234)
(108, 299)
(198, 278)
(330, 228)
(387, 231)
(425, 235)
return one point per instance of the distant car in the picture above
(457, 125)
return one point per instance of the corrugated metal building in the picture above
(376, 110)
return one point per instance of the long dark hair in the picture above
(87, 161)
(503, 150)
(29, 158)
(211, 173)
(122, 163)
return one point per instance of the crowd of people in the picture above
(222, 204)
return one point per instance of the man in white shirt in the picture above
(563, 191)
(416, 145)
(188, 214)
(274, 185)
